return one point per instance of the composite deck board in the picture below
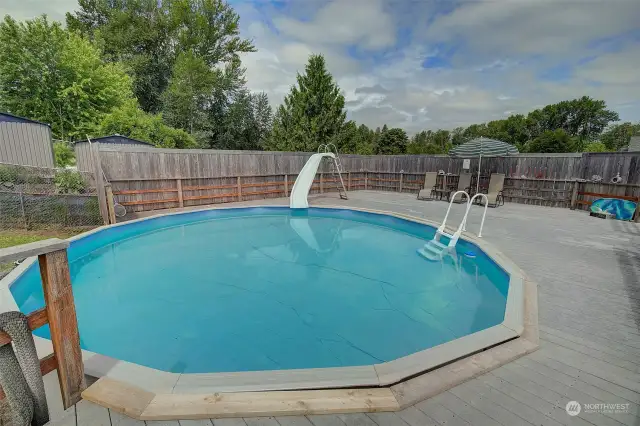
(463, 410)
(415, 417)
(229, 422)
(572, 339)
(261, 421)
(357, 419)
(325, 420)
(555, 409)
(294, 421)
(613, 388)
(118, 419)
(588, 275)
(387, 419)
(441, 414)
(554, 396)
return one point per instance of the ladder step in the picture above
(445, 233)
(429, 255)
(438, 244)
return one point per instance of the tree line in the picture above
(170, 73)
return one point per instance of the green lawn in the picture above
(17, 237)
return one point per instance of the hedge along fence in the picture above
(33, 197)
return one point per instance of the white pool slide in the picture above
(298, 197)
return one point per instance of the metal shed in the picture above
(84, 160)
(25, 142)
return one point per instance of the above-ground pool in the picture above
(271, 288)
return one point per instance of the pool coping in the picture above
(508, 338)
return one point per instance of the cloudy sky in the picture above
(422, 64)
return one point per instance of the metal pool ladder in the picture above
(336, 168)
(435, 249)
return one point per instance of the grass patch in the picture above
(14, 237)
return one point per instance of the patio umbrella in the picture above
(483, 147)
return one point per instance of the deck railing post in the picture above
(97, 170)
(574, 194)
(63, 324)
(110, 204)
(366, 178)
(286, 185)
(401, 177)
(179, 189)
(239, 188)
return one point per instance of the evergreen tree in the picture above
(313, 111)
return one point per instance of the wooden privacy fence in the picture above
(153, 194)
(59, 312)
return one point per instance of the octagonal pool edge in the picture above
(377, 375)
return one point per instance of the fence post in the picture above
(239, 189)
(321, 184)
(574, 194)
(24, 216)
(286, 185)
(110, 203)
(63, 324)
(97, 170)
(180, 196)
(366, 178)
(401, 177)
(349, 181)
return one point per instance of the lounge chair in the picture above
(464, 182)
(494, 194)
(427, 193)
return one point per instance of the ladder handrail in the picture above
(444, 222)
(326, 147)
(484, 214)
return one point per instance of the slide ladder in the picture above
(336, 169)
(302, 185)
(435, 249)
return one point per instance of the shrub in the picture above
(69, 182)
(63, 154)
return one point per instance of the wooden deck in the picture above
(588, 274)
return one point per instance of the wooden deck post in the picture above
(180, 196)
(239, 183)
(63, 325)
(286, 185)
(574, 194)
(348, 181)
(401, 177)
(366, 178)
(321, 182)
(97, 170)
(110, 204)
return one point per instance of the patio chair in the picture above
(464, 183)
(494, 194)
(427, 193)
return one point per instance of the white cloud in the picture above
(344, 22)
(27, 9)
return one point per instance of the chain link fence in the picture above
(36, 198)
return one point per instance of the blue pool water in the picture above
(271, 288)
